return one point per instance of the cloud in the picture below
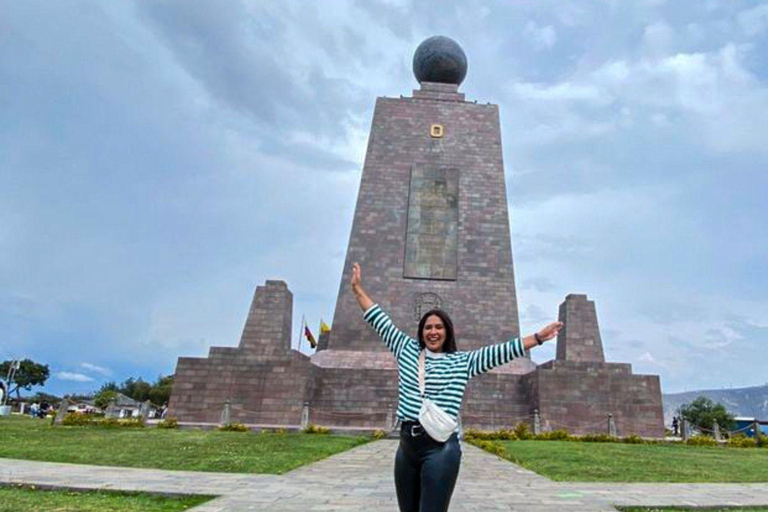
(754, 21)
(646, 357)
(543, 37)
(74, 377)
(96, 369)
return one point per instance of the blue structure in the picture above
(746, 426)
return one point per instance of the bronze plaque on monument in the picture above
(431, 244)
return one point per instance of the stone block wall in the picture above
(265, 382)
(579, 396)
(579, 339)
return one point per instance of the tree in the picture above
(703, 412)
(137, 389)
(29, 374)
(160, 393)
(104, 397)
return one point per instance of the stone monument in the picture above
(431, 229)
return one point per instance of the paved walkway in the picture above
(361, 479)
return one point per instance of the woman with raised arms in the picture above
(433, 375)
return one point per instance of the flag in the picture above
(324, 327)
(310, 338)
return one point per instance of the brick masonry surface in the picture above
(351, 381)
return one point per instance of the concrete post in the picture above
(226, 414)
(611, 426)
(756, 426)
(536, 422)
(305, 416)
(716, 431)
(392, 419)
(684, 429)
(22, 407)
(111, 411)
(144, 409)
(63, 406)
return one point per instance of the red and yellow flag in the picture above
(310, 337)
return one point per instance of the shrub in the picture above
(498, 435)
(762, 441)
(116, 423)
(505, 434)
(378, 434)
(281, 431)
(169, 422)
(701, 441)
(78, 420)
(555, 435)
(473, 433)
(234, 427)
(90, 420)
(490, 446)
(597, 438)
(311, 428)
(741, 441)
(523, 431)
(634, 439)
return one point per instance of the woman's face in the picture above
(434, 333)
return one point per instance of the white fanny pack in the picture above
(438, 423)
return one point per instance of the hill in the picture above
(750, 402)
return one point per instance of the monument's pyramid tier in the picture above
(431, 227)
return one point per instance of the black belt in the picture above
(413, 428)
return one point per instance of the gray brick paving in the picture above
(361, 479)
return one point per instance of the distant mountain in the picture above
(748, 402)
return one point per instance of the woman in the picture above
(426, 469)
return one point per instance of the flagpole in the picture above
(301, 332)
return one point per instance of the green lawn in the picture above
(29, 499)
(618, 462)
(195, 450)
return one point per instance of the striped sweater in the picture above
(445, 377)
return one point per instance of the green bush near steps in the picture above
(234, 427)
(89, 420)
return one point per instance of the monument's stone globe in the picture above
(440, 59)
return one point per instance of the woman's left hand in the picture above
(550, 331)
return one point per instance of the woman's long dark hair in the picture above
(450, 339)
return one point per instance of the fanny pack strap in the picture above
(422, 371)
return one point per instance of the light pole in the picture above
(12, 369)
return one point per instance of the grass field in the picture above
(29, 499)
(194, 450)
(617, 462)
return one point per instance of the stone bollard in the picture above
(144, 410)
(62, 411)
(716, 431)
(758, 433)
(226, 414)
(611, 426)
(536, 422)
(22, 407)
(392, 418)
(111, 411)
(684, 429)
(305, 416)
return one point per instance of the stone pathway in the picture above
(361, 479)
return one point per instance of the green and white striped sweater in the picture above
(446, 377)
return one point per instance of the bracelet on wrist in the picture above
(538, 339)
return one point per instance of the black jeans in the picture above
(425, 470)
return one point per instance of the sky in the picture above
(159, 160)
